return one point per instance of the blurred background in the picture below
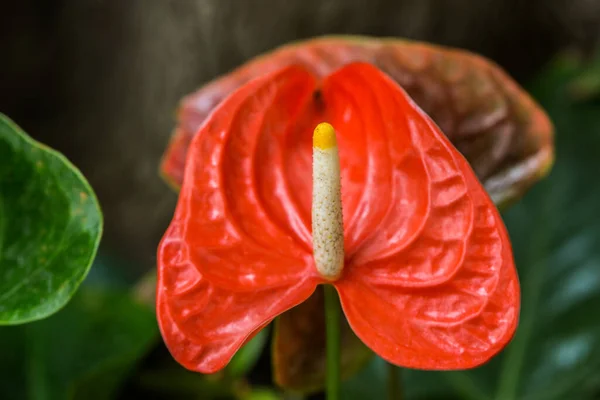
(100, 80)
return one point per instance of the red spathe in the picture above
(429, 280)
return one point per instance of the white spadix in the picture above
(327, 221)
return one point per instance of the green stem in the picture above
(394, 382)
(332, 328)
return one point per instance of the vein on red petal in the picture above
(398, 203)
(203, 324)
(234, 241)
(269, 160)
(449, 299)
(459, 324)
(365, 195)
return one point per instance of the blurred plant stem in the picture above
(332, 328)
(394, 382)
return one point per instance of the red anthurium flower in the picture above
(423, 266)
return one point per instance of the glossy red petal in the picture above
(433, 284)
(202, 324)
(239, 216)
(238, 251)
(383, 196)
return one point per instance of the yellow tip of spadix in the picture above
(324, 136)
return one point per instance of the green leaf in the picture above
(50, 227)
(586, 86)
(556, 234)
(181, 384)
(371, 383)
(246, 357)
(260, 394)
(555, 231)
(82, 352)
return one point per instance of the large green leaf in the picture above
(555, 232)
(50, 227)
(82, 352)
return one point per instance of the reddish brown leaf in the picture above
(299, 347)
(503, 133)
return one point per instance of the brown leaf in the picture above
(299, 361)
(505, 135)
